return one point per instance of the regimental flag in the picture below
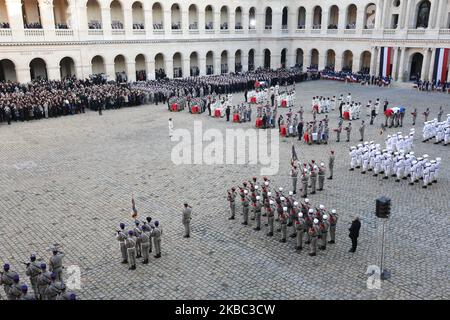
(133, 207)
(386, 54)
(441, 65)
(294, 154)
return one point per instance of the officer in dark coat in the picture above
(354, 233)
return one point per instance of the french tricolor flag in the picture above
(441, 65)
(385, 61)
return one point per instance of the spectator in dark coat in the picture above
(354, 233)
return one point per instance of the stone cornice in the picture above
(374, 41)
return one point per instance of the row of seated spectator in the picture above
(332, 26)
(116, 25)
(301, 26)
(351, 26)
(268, 27)
(193, 26)
(158, 26)
(138, 26)
(4, 25)
(209, 26)
(94, 24)
(317, 26)
(238, 26)
(33, 25)
(224, 26)
(176, 26)
(61, 26)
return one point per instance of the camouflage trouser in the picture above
(245, 213)
(321, 181)
(187, 228)
(313, 185)
(131, 256)
(157, 246)
(123, 250)
(145, 246)
(258, 219)
(283, 231)
(313, 245)
(304, 189)
(324, 239)
(300, 238)
(270, 221)
(332, 233)
(233, 209)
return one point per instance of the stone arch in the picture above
(7, 70)
(31, 14)
(137, 10)
(193, 17)
(94, 14)
(98, 65)
(140, 67)
(370, 12)
(175, 16)
(38, 69)
(67, 67)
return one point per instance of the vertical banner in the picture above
(385, 61)
(441, 65)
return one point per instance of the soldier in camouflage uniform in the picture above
(130, 243)
(33, 271)
(144, 237)
(257, 210)
(300, 226)
(231, 199)
(324, 227)
(283, 222)
(15, 291)
(54, 288)
(313, 232)
(55, 264)
(25, 295)
(304, 181)
(333, 220)
(270, 218)
(121, 237)
(321, 176)
(156, 235)
(245, 208)
(43, 281)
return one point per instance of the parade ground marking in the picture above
(229, 149)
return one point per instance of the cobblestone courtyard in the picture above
(70, 180)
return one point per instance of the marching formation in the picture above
(305, 221)
(397, 160)
(46, 281)
(439, 130)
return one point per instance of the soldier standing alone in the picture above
(321, 175)
(187, 212)
(331, 164)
